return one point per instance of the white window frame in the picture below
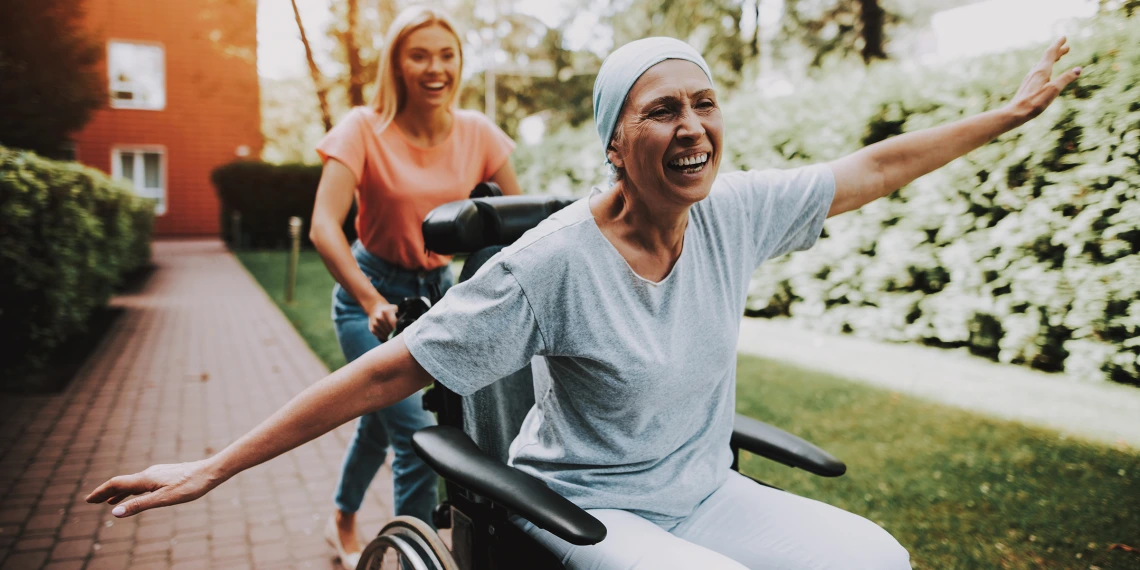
(115, 85)
(159, 194)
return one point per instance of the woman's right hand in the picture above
(163, 485)
(382, 320)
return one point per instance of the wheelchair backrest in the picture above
(481, 227)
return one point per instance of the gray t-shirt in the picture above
(634, 381)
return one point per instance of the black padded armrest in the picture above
(467, 226)
(780, 446)
(456, 458)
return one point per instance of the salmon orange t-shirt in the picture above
(398, 182)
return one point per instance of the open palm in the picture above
(1040, 88)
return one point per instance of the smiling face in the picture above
(429, 66)
(670, 132)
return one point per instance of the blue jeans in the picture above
(414, 482)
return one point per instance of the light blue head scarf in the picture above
(622, 69)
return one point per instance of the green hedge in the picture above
(267, 195)
(1026, 251)
(68, 234)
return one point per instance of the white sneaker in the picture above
(347, 561)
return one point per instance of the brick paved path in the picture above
(199, 357)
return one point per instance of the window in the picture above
(145, 168)
(138, 75)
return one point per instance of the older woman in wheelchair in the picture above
(601, 345)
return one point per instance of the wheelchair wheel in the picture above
(415, 544)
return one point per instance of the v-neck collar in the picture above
(685, 243)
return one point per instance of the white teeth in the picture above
(691, 160)
(434, 85)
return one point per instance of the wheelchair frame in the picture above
(483, 492)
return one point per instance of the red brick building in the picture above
(182, 78)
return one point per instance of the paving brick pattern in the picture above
(199, 357)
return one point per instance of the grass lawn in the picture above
(312, 306)
(958, 490)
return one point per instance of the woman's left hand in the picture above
(1039, 88)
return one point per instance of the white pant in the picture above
(741, 525)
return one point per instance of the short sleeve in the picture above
(784, 209)
(497, 147)
(346, 143)
(482, 330)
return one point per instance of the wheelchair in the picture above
(468, 447)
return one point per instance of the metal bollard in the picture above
(294, 256)
(235, 229)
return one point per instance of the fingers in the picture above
(1066, 78)
(101, 493)
(1055, 51)
(117, 499)
(1052, 54)
(1043, 71)
(136, 506)
(381, 329)
(117, 489)
(380, 326)
(158, 486)
(123, 485)
(383, 322)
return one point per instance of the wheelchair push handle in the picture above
(408, 310)
(485, 220)
(486, 190)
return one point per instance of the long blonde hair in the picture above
(391, 92)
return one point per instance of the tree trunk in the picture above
(318, 81)
(872, 18)
(755, 43)
(352, 54)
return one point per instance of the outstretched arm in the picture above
(886, 166)
(380, 378)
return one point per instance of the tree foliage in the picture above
(839, 27)
(357, 30)
(535, 70)
(50, 79)
(1127, 7)
(538, 75)
(713, 27)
